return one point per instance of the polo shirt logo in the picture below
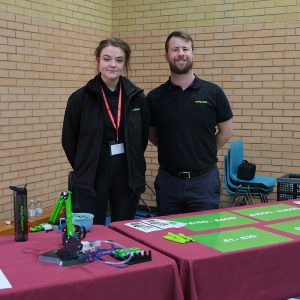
(136, 109)
(200, 102)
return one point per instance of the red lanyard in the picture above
(116, 126)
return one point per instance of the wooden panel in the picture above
(33, 221)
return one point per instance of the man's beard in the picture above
(174, 69)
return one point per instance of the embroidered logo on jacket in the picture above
(200, 102)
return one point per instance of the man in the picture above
(191, 121)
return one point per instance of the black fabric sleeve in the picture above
(146, 120)
(71, 127)
(151, 108)
(224, 112)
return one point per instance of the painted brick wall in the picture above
(258, 67)
(250, 48)
(89, 13)
(46, 52)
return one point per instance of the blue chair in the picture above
(258, 189)
(235, 193)
(264, 183)
(247, 192)
(236, 157)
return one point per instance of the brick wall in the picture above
(250, 48)
(46, 52)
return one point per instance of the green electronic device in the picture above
(64, 200)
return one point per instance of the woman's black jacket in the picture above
(82, 133)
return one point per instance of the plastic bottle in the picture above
(32, 208)
(38, 207)
(20, 212)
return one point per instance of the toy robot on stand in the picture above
(69, 229)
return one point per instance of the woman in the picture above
(105, 134)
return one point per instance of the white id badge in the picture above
(116, 149)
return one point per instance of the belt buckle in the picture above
(186, 174)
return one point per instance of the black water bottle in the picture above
(20, 212)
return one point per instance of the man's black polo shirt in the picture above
(186, 123)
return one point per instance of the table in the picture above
(33, 221)
(35, 280)
(268, 272)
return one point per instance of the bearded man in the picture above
(191, 121)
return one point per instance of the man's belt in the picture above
(187, 174)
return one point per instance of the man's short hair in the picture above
(180, 34)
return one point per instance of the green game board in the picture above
(271, 212)
(289, 226)
(212, 221)
(237, 239)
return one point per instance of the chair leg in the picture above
(265, 199)
(235, 198)
(244, 201)
(250, 196)
(233, 201)
(262, 200)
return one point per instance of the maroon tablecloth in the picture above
(261, 273)
(35, 280)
